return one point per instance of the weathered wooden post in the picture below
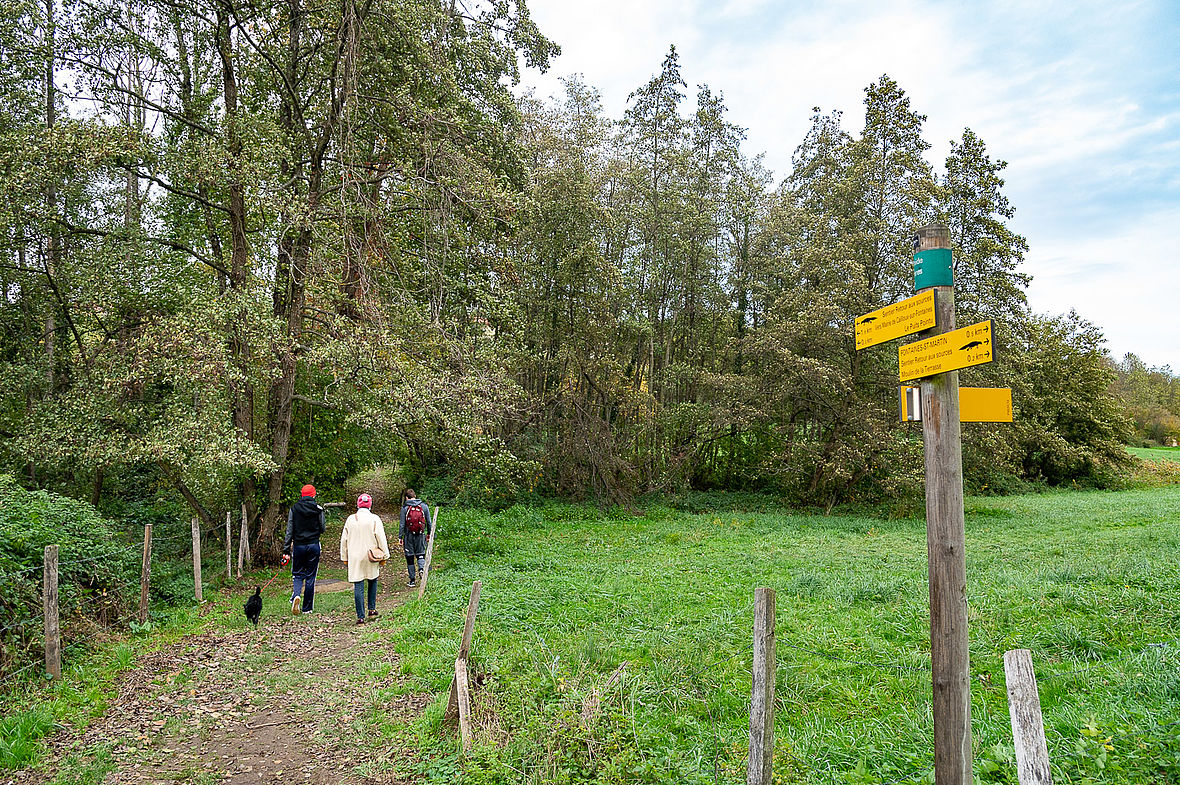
(197, 562)
(463, 688)
(145, 575)
(229, 549)
(945, 534)
(464, 646)
(243, 543)
(1028, 729)
(760, 765)
(429, 554)
(49, 608)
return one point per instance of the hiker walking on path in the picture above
(364, 549)
(305, 524)
(413, 533)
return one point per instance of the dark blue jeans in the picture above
(305, 563)
(358, 594)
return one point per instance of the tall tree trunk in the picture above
(239, 274)
(52, 248)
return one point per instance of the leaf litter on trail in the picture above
(232, 698)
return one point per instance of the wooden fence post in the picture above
(49, 607)
(145, 576)
(1028, 729)
(464, 646)
(243, 543)
(229, 548)
(760, 765)
(197, 562)
(429, 554)
(946, 549)
(463, 687)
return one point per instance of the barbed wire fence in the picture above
(1124, 664)
(30, 625)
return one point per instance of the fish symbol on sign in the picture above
(971, 345)
(868, 319)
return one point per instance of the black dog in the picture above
(254, 606)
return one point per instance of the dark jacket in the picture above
(414, 544)
(305, 523)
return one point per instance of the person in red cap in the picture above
(305, 524)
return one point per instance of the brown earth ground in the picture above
(295, 701)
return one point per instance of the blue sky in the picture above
(1082, 99)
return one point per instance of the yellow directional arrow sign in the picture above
(976, 404)
(951, 351)
(909, 316)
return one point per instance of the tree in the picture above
(987, 251)
(1069, 426)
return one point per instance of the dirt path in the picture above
(295, 701)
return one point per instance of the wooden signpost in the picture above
(935, 362)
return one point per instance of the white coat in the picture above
(363, 530)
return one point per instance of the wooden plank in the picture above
(145, 574)
(197, 588)
(429, 554)
(464, 646)
(760, 765)
(49, 606)
(1028, 729)
(469, 623)
(464, 703)
(946, 554)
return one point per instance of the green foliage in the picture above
(96, 566)
(1068, 427)
(1152, 398)
(378, 254)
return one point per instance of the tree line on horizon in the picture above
(250, 244)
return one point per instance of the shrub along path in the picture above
(298, 700)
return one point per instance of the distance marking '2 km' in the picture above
(951, 351)
(909, 316)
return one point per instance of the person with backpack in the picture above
(413, 533)
(364, 549)
(305, 524)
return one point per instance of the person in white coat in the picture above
(364, 549)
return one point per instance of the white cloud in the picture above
(1127, 282)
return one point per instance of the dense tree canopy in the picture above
(245, 244)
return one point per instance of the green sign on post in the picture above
(932, 267)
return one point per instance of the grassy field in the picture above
(1156, 453)
(1090, 582)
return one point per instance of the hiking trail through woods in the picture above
(293, 701)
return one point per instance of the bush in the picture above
(96, 566)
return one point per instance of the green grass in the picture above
(1088, 581)
(1156, 453)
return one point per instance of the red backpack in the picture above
(415, 519)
